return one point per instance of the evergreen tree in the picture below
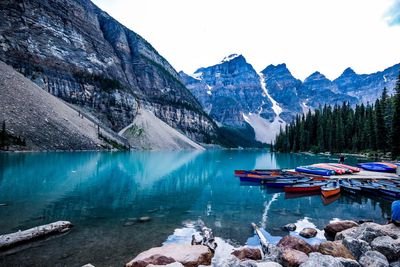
(380, 126)
(396, 122)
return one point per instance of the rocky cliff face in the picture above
(367, 87)
(228, 90)
(79, 53)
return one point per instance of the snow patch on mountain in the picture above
(265, 131)
(229, 58)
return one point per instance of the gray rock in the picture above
(395, 264)
(316, 259)
(357, 247)
(348, 262)
(373, 258)
(247, 263)
(387, 246)
(289, 227)
(369, 231)
(292, 258)
(333, 228)
(268, 264)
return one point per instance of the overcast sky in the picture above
(307, 35)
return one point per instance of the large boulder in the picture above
(332, 229)
(348, 262)
(316, 259)
(248, 253)
(293, 258)
(357, 247)
(268, 264)
(188, 255)
(308, 232)
(335, 249)
(395, 264)
(155, 259)
(387, 246)
(373, 258)
(295, 243)
(174, 264)
(369, 231)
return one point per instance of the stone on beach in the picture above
(357, 247)
(188, 255)
(387, 246)
(295, 243)
(332, 229)
(308, 232)
(335, 249)
(373, 259)
(247, 253)
(292, 257)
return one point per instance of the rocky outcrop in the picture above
(295, 243)
(77, 52)
(332, 229)
(188, 255)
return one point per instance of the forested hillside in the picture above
(374, 127)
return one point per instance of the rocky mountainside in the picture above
(77, 52)
(37, 120)
(230, 91)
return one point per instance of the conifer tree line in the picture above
(341, 128)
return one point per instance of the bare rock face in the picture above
(295, 243)
(373, 259)
(293, 258)
(336, 227)
(89, 59)
(247, 253)
(188, 255)
(335, 249)
(308, 232)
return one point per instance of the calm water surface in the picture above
(99, 191)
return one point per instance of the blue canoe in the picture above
(376, 167)
(315, 170)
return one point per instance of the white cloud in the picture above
(308, 35)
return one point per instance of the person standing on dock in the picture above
(341, 159)
(396, 213)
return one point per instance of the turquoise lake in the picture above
(99, 191)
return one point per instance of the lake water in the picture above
(100, 193)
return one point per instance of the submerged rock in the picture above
(247, 253)
(308, 232)
(295, 243)
(144, 219)
(373, 259)
(357, 247)
(289, 227)
(335, 249)
(387, 246)
(188, 255)
(333, 228)
(293, 258)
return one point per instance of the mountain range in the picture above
(233, 93)
(120, 84)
